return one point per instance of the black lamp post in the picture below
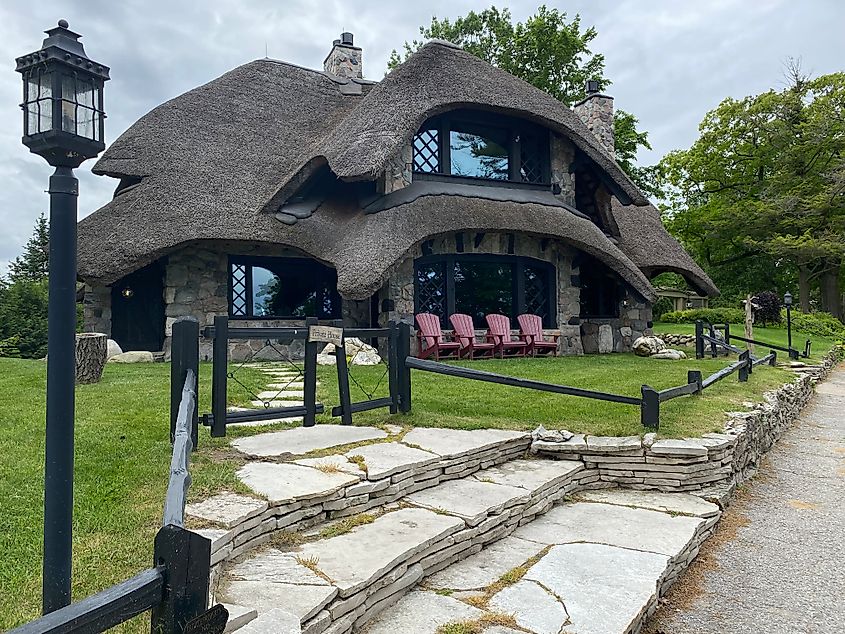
(62, 122)
(787, 301)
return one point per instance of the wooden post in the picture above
(404, 372)
(186, 558)
(727, 337)
(744, 371)
(699, 340)
(650, 408)
(773, 360)
(343, 384)
(749, 322)
(694, 376)
(184, 356)
(91, 352)
(219, 376)
(393, 363)
(310, 388)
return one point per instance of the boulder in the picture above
(648, 346)
(358, 353)
(112, 349)
(668, 353)
(134, 356)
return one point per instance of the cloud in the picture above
(670, 61)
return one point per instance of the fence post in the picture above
(744, 371)
(714, 351)
(219, 375)
(186, 557)
(727, 337)
(343, 384)
(404, 372)
(650, 408)
(694, 376)
(393, 365)
(184, 356)
(309, 392)
(699, 339)
(773, 360)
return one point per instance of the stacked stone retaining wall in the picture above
(712, 465)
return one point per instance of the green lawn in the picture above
(123, 449)
(777, 336)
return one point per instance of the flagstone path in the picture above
(785, 570)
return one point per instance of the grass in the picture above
(346, 525)
(777, 336)
(123, 448)
(441, 401)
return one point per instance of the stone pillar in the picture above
(398, 173)
(596, 111)
(345, 60)
(563, 153)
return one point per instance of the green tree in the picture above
(549, 51)
(33, 264)
(759, 196)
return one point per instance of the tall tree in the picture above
(33, 264)
(549, 51)
(762, 188)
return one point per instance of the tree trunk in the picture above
(91, 352)
(830, 289)
(804, 288)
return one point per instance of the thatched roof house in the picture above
(277, 191)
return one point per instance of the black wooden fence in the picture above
(649, 401)
(707, 337)
(175, 589)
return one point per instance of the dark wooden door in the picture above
(137, 303)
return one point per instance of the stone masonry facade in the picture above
(596, 111)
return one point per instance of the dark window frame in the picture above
(514, 130)
(607, 291)
(250, 261)
(518, 262)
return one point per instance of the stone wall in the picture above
(96, 307)
(617, 334)
(596, 111)
(562, 155)
(398, 173)
(711, 466)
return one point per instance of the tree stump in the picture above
(91, 352)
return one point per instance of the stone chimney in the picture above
(345, 59)
(596, 111)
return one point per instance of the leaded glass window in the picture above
(478, 285)
(427, 151)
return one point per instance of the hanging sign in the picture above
(326, 334)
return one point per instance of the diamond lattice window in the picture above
(431, 289)
(536, 291)
(239, 290)
(532, 165)
(426, 152)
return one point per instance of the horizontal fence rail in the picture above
(103, 610)
(743, 362)
(490, 377)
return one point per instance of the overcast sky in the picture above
(670, 60)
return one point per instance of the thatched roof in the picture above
(218, 162)
(361, 246)
(644, 239)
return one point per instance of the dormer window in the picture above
(476, 146)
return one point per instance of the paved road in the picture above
(785, 570)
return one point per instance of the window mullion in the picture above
(518, 287)
(445, 148)
(514, 156)
(249, 291)
(450, 286)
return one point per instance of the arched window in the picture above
(478, 285)
(482, 146)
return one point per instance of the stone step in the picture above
(594, 565)
(336, 583)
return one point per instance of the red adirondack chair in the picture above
(499, 327)
(432, 341)
(465, 334)
(531, 327)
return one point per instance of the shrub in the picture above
(818, 324)
(713, 315)
(661, 307)
(768, 311)
(23, 319)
